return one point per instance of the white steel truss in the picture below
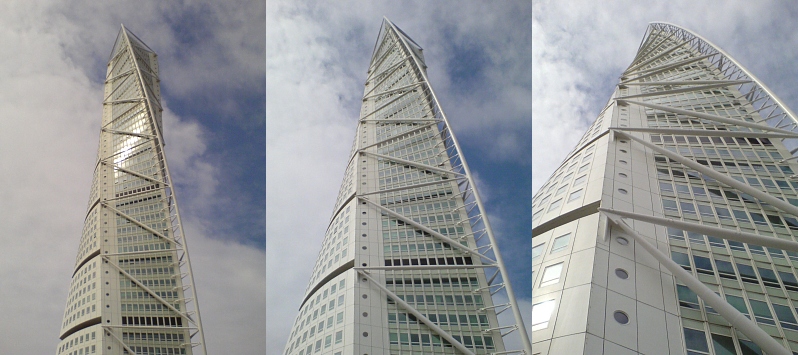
(768, 119)
(133, 231)
(405, 157)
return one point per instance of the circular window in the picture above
(364, 235)
(364, 247)
(623, 141)
(365, 296)
(364, 264)
(623, 191)
(365, 334)
(623, 175)
(365, 314)
(621, 273)
(623, 162)
(621, 317)
(623, 150)
(364, 223)
(622, 241)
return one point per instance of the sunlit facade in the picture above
(132, 290)
(403, 264)
(670, 228)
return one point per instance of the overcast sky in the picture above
(52, 67)
(479, 63)
(580, 49)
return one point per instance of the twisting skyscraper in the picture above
(670, 228)
(402, 268)
(132, 288)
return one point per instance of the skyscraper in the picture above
(670, 228)
(402, 268)
(132, 287)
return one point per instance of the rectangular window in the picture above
(687, 207)
(785, 316)
(555, 205)
(725, 269)
(762, 312)
(695, 340)
(703, 265)
(681, 259)
(575, 195)
(558, 193)
(687, 298)
(580, 180)
(560, 243)
(327, 341)
(769, 277)
(723, 345)
(789, 280)
(537, 250)
(551, 275)
(747, 273)
(541, 313)
(738, 303)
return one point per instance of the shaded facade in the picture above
(132, 288)
(670, 228)
(408, 263)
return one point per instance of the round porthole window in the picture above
(623, 162)
(623, 141)
(623, 175)
(621, 273)
(621, 317)
(622, 241)
(623, 151)
(623, 191)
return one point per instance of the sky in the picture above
(580, 49)
(479, 64)
(212, 69)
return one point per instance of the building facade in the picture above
(408, 264)
(132, 288)
(670, 228)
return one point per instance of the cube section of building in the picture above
(670, 228)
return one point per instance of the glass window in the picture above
(687, 298)
(725, 269)
(666, 187)
(555, 205)
(575, 195)
(762, 312)
(695, 340)
(723, 213)
(747, 273)
(687, 207)
(541, 313)
(551, 275)
(681, 259)
(560, 243)
(559, 192)
(738, 303)
(789, 280)
(580, 180)
(723, 345)
(785, 316)
(537, 250)
(703, 265)
(676, 234)
(670, 205)
(768, 277)
(749, 348)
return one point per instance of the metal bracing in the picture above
(635, 67)
(141, 135)
(397, 137)
(109, 330)
(386, 92)
(142, 225)
(172, 195)
(688, 82)
(388, 71)
(426, 267)
(499, 261)
(705, 116)
(130, 172)
(412, 163)
(408, 187)
(453, 243)
(666, 68)
(680, 90)
(723, 178)
(727, 311)
(434, 327)
(706, 133)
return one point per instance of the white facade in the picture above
(132, 288)
(692, 137)
(402, 268)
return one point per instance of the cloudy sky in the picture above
(479, 56)
(52, 68)
(580, 49)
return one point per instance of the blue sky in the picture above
(478, 56)
(212, 70)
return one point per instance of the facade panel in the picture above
(698, 212)
(402, 265)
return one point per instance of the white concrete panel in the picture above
(649, 286)
(593, 345)
(541, 347)
(580, 269)
(675, 335)
(596, 311)
(650, 331)
(571, 344)
(572, 315)
(600, 267)
(586, 232)
(622, 334)
(615, 349)
(669, 294)
(615, 283)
